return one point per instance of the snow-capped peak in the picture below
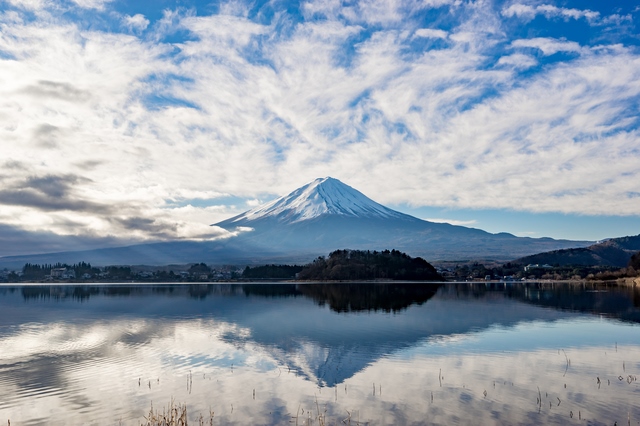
(323, 196)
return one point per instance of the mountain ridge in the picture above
(322, 216)
(326, 214)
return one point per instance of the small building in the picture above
(58, 272)
(530, 266)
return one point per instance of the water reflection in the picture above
(607, 299)
(347, 297)
(389, 353)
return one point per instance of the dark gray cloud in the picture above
(67, 223)
(37, 200)
(50, 193)
(46, 135)
(57, 90)
(14, 165)
(89, 164)
(60, 194)
(46, 130)
(152, 227)
(55, 185)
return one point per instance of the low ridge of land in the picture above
(614, 252)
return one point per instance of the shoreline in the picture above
(627, 281)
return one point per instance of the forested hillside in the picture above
(614, 252)
(369, 265)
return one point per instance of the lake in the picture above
(322, 354)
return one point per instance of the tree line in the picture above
(34, 272)
(272, 272)
(83, 271)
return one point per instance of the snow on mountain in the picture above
(323, 196)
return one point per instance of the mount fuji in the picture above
(322, 197)
(327, 214)
(321, 216)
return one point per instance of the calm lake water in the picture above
(379, 354)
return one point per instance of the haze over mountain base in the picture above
(320, 217)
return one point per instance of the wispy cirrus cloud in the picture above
(548, 46)
(440, 102)
(453, 221)
(92, 4)
(529, 12)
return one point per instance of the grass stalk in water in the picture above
(174, 415)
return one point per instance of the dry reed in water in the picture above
(175, 415)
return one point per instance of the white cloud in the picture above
(136, 22)
(244, 229)
(518, 60)
(519, 10)
(528, 12)
(92, 4)
(254, 203)
(376, 12)
(453, 221)
(379, 11)
(29, 4)
(616, 19)
(437, 3)
(548, 46)
(235, 31)
(430, 33)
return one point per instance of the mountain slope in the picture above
(164, 253)
(613, 252)
(321, 197)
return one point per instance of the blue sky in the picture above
(136, 121)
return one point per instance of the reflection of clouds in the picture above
(512, 400)
(56, 369)
(59, 339)
(101, 382)
(89, 369)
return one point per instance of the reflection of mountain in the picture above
(327, 333)
(360, 297)
(352, 297)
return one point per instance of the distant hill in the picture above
(613, 252)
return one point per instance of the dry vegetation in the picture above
(173, 415)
